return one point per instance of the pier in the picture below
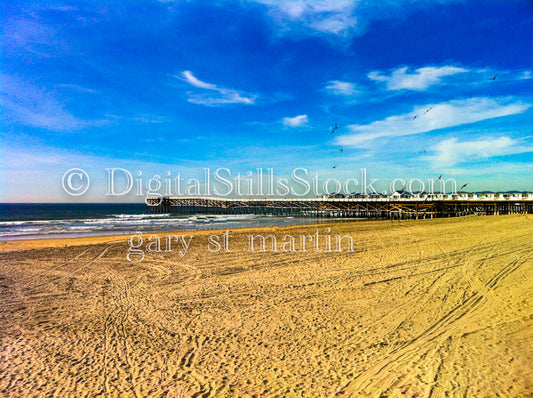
(372, 206)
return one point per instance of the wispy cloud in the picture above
(325, 16)
(451, 151)
(432, 117)
(75, 88)
(337, 87)
(188, 76)
(336, 18)
(420, 79)
(149, 119)
(526, 75)
(217, 96)
(31, 106)
(295, 121)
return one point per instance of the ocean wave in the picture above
(131, 223)
(140, 216)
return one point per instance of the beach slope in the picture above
(418, 308)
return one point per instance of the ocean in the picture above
(54, 220)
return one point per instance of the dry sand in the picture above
(440, 308)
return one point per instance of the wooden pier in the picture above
(380, 207)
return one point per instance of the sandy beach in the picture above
(428, 308)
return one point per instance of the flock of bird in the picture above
(341, 149)
(414, 117)
(427, 110)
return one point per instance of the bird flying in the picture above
(494, 78)
(463, 186)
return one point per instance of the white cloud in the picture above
(217, 96)
(326, 16)
(336, 18)
(421, 79)
(188, 76)
(450, 152)
(432, 117)
(32, 106)
(338, 87)
(49, 116)
(296, 121)
(526, 75)
(76, 88)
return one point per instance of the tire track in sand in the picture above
(385, 375)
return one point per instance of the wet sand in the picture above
(428, 308)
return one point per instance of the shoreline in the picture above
(53, 241)
(129, 224)
(10, 245)
(27, 244)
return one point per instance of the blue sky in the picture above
(177, 86)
